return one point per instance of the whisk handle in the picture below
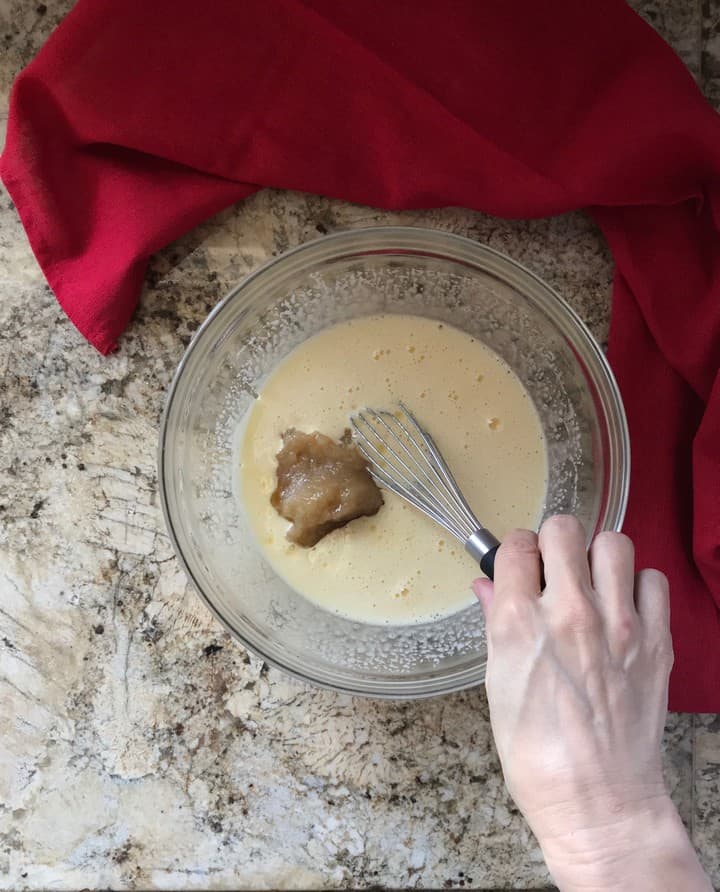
(487, 564)
(483, 546)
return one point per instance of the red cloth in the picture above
(138, 120)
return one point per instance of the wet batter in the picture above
(397, 566)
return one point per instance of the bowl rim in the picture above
(458, 680)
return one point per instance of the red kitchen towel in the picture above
(137, 120)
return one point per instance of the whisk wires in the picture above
(404, 459)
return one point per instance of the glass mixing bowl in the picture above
(336, 278)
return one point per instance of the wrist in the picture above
(645, 848)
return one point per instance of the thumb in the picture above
(484, 592)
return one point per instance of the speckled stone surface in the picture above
(141, 748)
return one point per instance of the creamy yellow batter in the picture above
(398, 566)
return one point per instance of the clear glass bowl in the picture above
(339, 277)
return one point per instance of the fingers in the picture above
(568, 604)
(564, 555)
(509, 601)
(509, 610)
(517, 566)
(612, 564)
(652, 601)
(484, 592)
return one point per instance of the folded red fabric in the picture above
(137, 120)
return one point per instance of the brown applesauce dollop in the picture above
(322, 485)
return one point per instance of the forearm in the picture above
(650, 852)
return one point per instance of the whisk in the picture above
(403, 458)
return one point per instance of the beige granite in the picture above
(141, 748)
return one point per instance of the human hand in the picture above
(577, 683)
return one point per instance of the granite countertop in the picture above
(141, 747)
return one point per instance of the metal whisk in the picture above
(404, 459)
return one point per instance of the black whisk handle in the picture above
(483, 546)
(487, 564)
